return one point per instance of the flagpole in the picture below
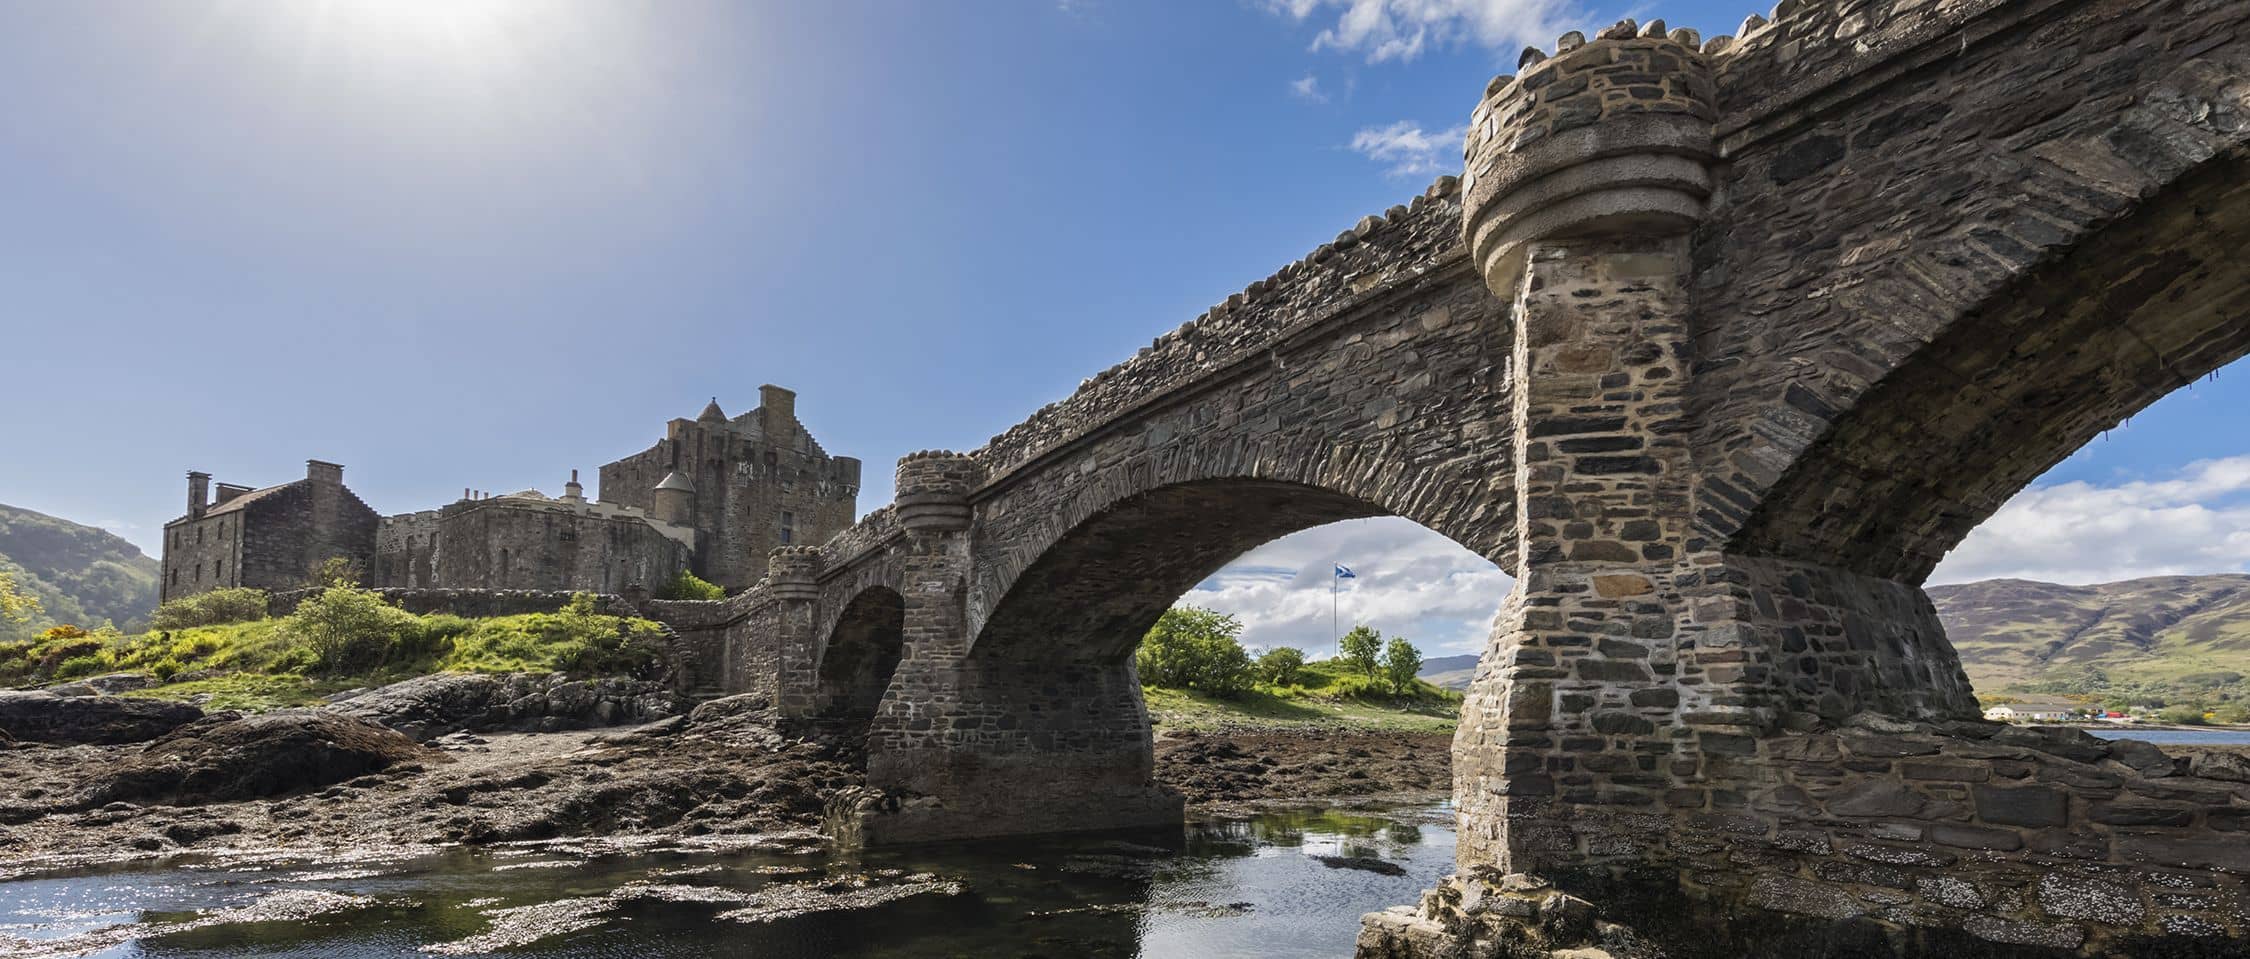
(1334, 627)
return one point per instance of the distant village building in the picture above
(2034, 712)
(715, 496)
(271, 538)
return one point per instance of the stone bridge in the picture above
(1718, 347)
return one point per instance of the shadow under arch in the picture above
(859, 656)
(2150, 303)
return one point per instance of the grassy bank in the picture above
(1324, 694)
(342, 640)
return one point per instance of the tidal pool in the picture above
(1282, 884)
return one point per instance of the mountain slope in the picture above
(2176, 632)
(80, 574)
(1449, 672)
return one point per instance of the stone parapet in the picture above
(793, 572)
(467, 602)
(1606, 136)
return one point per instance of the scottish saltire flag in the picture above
(1344, 572)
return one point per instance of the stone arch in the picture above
(859, 653)
(2142, 306)
(1095, 589)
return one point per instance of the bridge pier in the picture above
(973, 743)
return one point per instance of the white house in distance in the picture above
(2034, 712)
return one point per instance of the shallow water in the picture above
(2180, 737)
(1247, 887)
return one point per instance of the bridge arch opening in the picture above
(860, 656)
(1058, 736)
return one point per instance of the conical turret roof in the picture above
(674, 480)
(712, 413)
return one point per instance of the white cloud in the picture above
(1410, 581)
(1308, 89)
(2196, 521)
(1409, 150)
(1403, 29)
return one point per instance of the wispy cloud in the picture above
(1407, 150)
(1308, 89)
(1410, 581)
(1401, 30)
(2194, 521)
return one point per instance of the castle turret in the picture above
(675, 499)
(712, 415)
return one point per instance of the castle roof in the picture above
(674, 480)
(712, 413)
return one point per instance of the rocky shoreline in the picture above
(335, 782)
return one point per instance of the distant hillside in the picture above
(80, 574)
(1450, 672)
(2174, 633)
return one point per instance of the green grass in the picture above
(271, 663)
(1324, 694)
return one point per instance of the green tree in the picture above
(1363, 647)
(336, 571)
(687, 585)
(1195, 648)
(16, 606)
(1401, 661)
(1280, 664)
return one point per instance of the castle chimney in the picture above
(780, 405)
(198, 492)
(572, 491)
(324, 472)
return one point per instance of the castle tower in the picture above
(675, 500)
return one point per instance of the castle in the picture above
(714, 497)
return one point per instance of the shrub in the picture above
(1401, 661)
(237, 605)
(62, 631)
(2182, 715)
(1363, 648)
(2232, 714)
(687, 585)
(1281, 664)
(1195, 648)
(77, 666)
(165, 669)
(348, 629)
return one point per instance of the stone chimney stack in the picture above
(198, 492)
(572, 491)
(780, 405)
(324, 472)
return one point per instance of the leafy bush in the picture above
(2232, 714)
(62, 631)
(80, 666)
(576, 640)
(1195, 648)
(1280, 665)
(687, 585)
(165, 669)
(2182, 715)
(236, 605)
(1363, 647)
(1400, 662)
(348, 629)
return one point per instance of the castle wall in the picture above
(201, 554)
(502, 544)
(406, 549)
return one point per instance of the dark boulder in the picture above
(41, 717)
(226, 757)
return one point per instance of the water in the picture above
(1246, 887)
(2180, 737)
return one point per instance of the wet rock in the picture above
(43, 717)
(1363, 864)
(427, 707)
(225, 757)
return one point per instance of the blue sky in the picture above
(477, 243)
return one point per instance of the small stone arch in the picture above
(859, 655)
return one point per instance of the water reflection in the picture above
(1283, 884)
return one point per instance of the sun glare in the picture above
(464, 23)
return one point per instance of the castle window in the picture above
(199, 536)
(175, 576)
(788, 527)
(218, 568)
